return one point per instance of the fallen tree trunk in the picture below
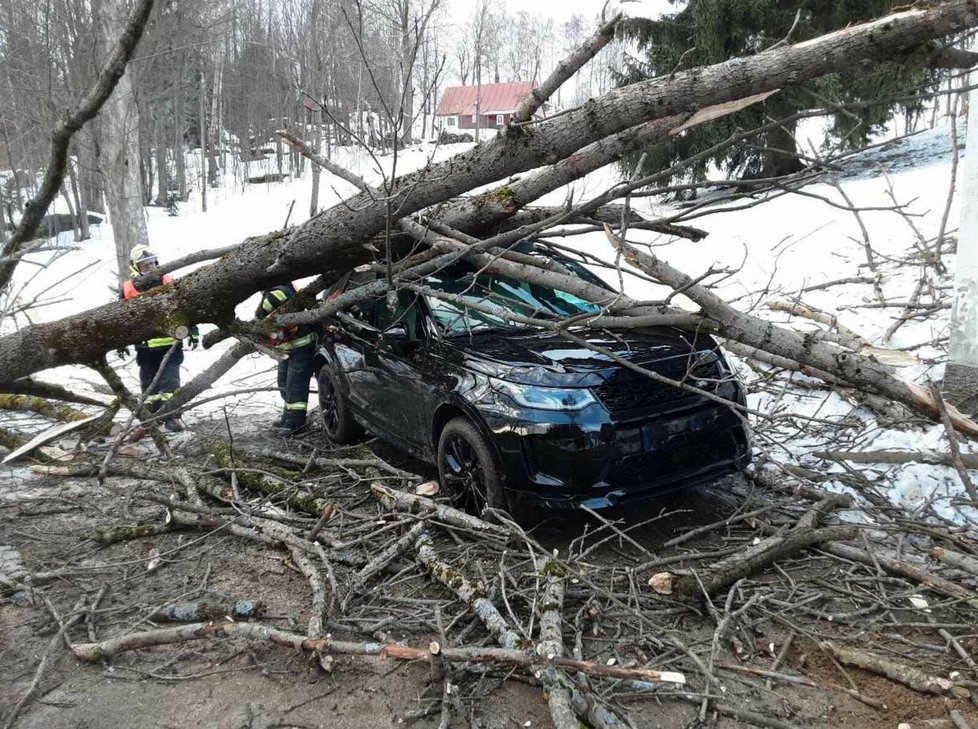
(95, 652)
(895, 671)
(803, 348)
(962, 562)
(897, 457)
(903, 569)
(41, 406)
(329, 242)
(195, 612)
(469, 593)
(753, 559)
(551, 647)
(50, 391)
(413, 504)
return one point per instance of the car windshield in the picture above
(492, 292)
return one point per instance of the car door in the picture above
(395, 382)
(357, 338)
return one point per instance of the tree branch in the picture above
(331, 242)
(112, 70)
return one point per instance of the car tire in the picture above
(468, 470)
(334, 408)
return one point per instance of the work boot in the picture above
(279, 422)
(293, 423)
(174, 424)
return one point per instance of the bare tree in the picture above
(463, 59)
(524, 42)
(120, 152)
(480, 37)
(112, 70)
(408, 22)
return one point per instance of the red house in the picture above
(487, 107)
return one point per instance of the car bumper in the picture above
(587, 459)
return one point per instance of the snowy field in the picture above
(776, 249)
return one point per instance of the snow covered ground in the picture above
(777, 248)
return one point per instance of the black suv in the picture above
(517, 416)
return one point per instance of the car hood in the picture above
(546, 358)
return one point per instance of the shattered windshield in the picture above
(496, 295)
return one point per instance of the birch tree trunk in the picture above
(214, 169)
(203, 145)
(119, 158)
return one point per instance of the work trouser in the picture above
(149, 360)
(294, 374)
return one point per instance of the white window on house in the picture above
(500, 119)
(475, 118)
(451, 121)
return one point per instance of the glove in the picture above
(123, 352)
(194, 341)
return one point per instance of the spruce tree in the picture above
(702, 32)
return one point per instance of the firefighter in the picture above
(298, 343)
(151, 353)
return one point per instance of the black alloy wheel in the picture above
(468, 468)
(338, 423)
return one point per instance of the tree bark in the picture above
(895, 671)
(202, 129)
(254, 631)
(82, 211)
(781, 156)
(407, 48)
(92, 188)
(317, 136)
(120, 153)
(162, 176)
(753, 559)
(330, 242)
(469, 593)
(178, 129)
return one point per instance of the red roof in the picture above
(496, 98)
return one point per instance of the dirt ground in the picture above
(238, 685)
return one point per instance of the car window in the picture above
(400, 307)
(581, 272)
(495, 293)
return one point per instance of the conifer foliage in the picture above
(700, 32)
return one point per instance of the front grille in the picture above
(627, 394)
(693, 453)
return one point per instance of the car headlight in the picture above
(545, 398)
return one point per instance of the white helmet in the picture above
(139, 256)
